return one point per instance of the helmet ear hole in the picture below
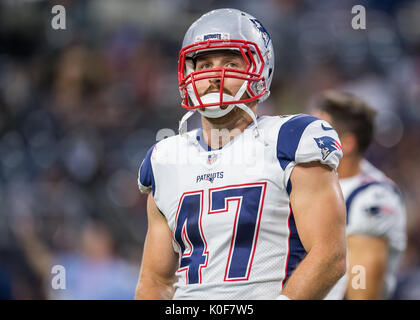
(190, 102)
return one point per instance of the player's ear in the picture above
(349, 143)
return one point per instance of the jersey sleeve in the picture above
(305, 138)
(376, 209)
(146, 179)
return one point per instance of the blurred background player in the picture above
(376, 217)
(245, 207)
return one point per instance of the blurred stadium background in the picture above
(80, 107)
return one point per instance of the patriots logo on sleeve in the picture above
(327, 145)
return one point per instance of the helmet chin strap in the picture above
(182, 129)
(257, 133)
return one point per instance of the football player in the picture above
(245, 207)
(376, 218)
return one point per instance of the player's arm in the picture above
(319, 211)
(160, 262)
(371, 254)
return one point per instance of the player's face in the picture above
(221, 59)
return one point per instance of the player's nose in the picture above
(214, 83)
(215, 80)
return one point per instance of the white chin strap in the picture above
(182, 129)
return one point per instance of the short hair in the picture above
(349, 114)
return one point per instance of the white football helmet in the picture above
(226, 29)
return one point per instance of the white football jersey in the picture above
(374, 208)
(229, 209)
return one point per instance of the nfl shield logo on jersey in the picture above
(327, 145)
(211, 158)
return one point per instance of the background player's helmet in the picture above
(226, 29)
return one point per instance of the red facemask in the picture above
(187, 77)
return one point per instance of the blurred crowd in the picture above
(80, 107)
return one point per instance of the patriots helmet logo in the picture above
(327, 145)
(264, 33)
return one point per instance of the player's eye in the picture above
(204, 65)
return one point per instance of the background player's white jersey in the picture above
(229, 209)
(374, 208)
